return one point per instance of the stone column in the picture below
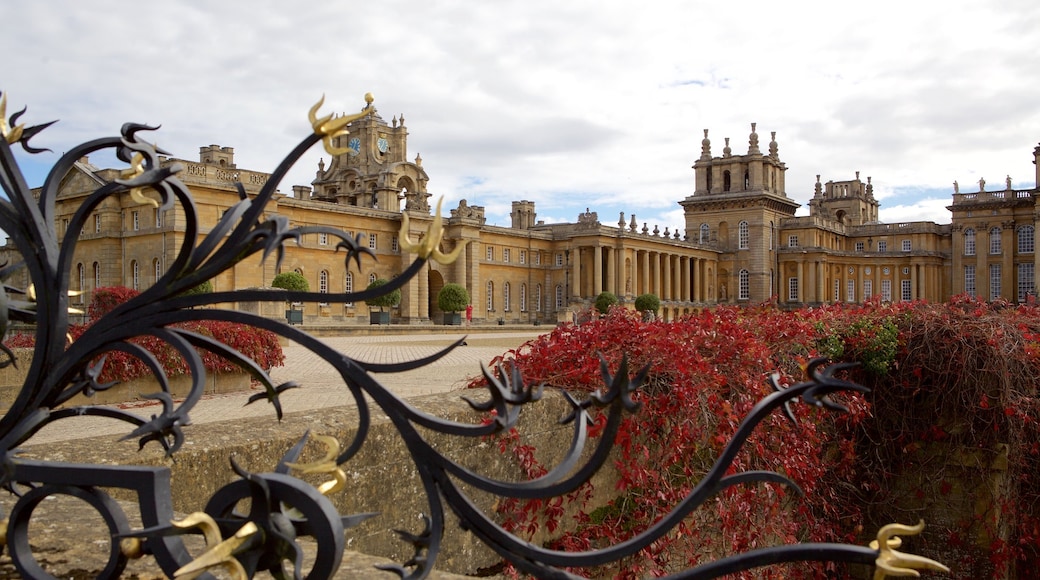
(612, 267)
(666, 277)
(597, 271)
(424, 292)
(913, 281)
(576, 273)
(644, 273)
(800, 272)
(684, 270)
(656, 289)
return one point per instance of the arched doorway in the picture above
(436, 282)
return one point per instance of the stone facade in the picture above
(742, 241)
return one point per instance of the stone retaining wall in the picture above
(382, 477)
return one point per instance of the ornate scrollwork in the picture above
(282, 508)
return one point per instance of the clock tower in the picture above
(374, 172)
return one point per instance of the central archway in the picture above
(436, 282)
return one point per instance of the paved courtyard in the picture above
(321, 386)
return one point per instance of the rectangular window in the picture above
(850, 291)
(969, 280)
(792, 241)
(882, 246)
(323, 239)
(886, 290)
(1025, 240)
(868, 289)
(395, 246)
(905, 290)
(505, 255)
(837, 290)
(158, 218)
(559, 259)
(523, 256)
(537, 258)
(523, 298)
(994, 241)
(97, 223)
(792, 289)
(490, 253)
(136, 218)
(859, 246)
(64, 225)
(1025, 282)
(994, 281)
(372, 238)
(906, 245)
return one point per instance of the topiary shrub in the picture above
(202, 288)
(648, 304)
(291, 281)
(604, 301)
(453, 298)
(382, 301)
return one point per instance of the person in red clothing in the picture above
(469, 314)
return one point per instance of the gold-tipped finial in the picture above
(220, 553)
(429, 246)
(330, 126)
(11, 134)
(894, 563)
(137, 168)
(326, 464)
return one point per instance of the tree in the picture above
(453, 298)
(291, 281)
(648, 304)
(604, 301)
(384, 300)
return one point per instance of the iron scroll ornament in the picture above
(284, 508)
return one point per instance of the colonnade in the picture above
(629, 272)
(822, 281)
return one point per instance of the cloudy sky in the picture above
(571, 104)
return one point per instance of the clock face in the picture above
(355, 146)
(383, 145)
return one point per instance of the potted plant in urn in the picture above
(383, 301)
(292, 281)
(452, 300)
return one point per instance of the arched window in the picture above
(969, 242)
(505, 297)
(747, 181)
(725, 181)
(490, 296)
(1025, 240)
(371, 277)
(538, 298)
(994, 241)
(81, 276)
(743, 235)
(523, 298)
(559, 297)
(135, 273)
(323, 283)
(705, 233)
(348, 285)
(744, 285)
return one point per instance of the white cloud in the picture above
(572, 105)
